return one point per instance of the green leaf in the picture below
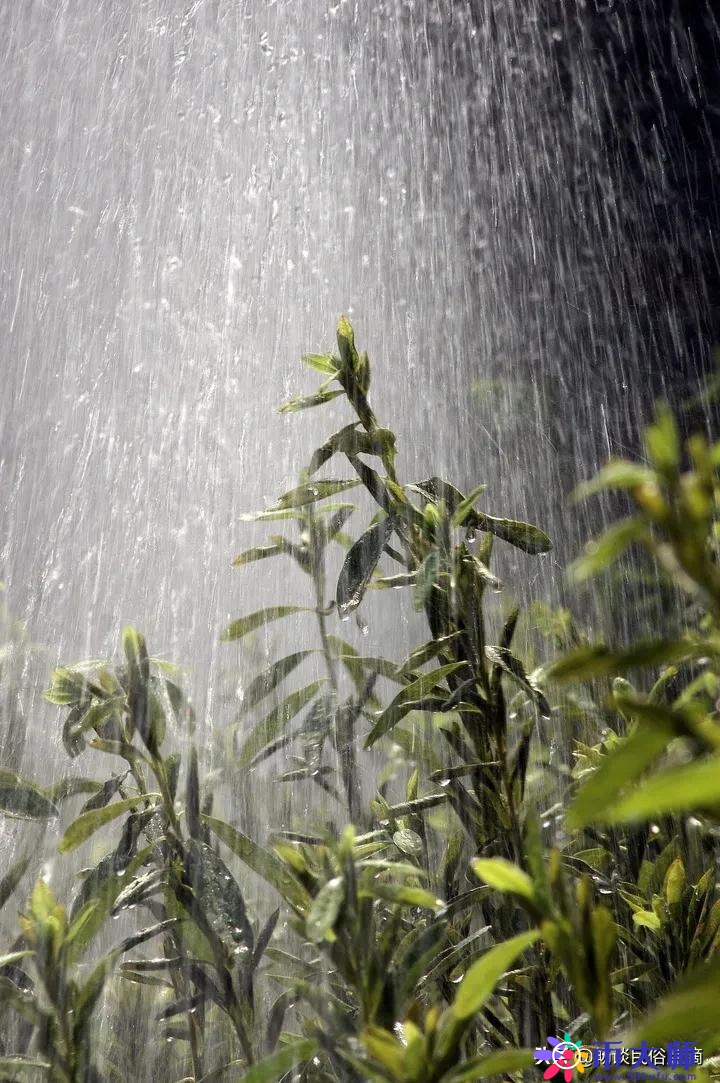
(263, 862)
(690, 1009)
(271, 1069)
(692, 787)
(353, 441)
(426, 652)
(506, 661)
(312, 491)
(360, 564)
(619, 768)
(466, 507)
(588, 662)
(306, 401)
(482, 977)
(262, 552)
(72, 787)
(90, 822)
(504, 876)
(268, 681)
(217, 893)
(401, 895)
(23, 800)
(404, 700)
(648, 919)
(425, 578)
(245, 625)
(531, 539)
(325, 909)
(21, 1067)
(14, 957)
(294, 513)
(408, 842)
(618, 474)
(12, 878)
(662, 442)
(322, 362)
(602, 551)
(503, 1062)
(267, 730)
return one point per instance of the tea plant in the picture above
(438, 932)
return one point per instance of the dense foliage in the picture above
(430, 935)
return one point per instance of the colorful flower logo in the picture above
(565, 1055)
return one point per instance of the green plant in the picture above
(454, 922)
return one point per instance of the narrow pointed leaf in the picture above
(690, 787)
(506, 661)
(90, 822)
(245, 625)
(322, 362)
(504, 876)
(268, 681)
(620, 768)
(416, 690)
(325, 909)
(531, 539)
(269, 1070)
(304, 402)
(360, 563)
(23, 800)
(273, 725)
(262, 552)
(312, 491)
(263, 862)
(479, 983)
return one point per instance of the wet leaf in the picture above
(263, 862)
(90, 822)
(324, 910)
(402, 895)
(105, 794)
(620, 768)
(688, 788)
(11, 879)
(602, 551)
(404, 700)
(72, 787)
(322, 362)
(425, 579)
(268, 730)
(245, 625)
(504, 876)
(513, 667)
(359, 565)
(479, 983)
(587, 662)
(353, 441)
(269, 1070)
(304, 402)
(266, 682)
(262, 552)
(312, 491)
(218, 894)
(618, 474)
(19, 1067)
(192, 796)
(408, 842)
(23, 800)
(522, 535)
